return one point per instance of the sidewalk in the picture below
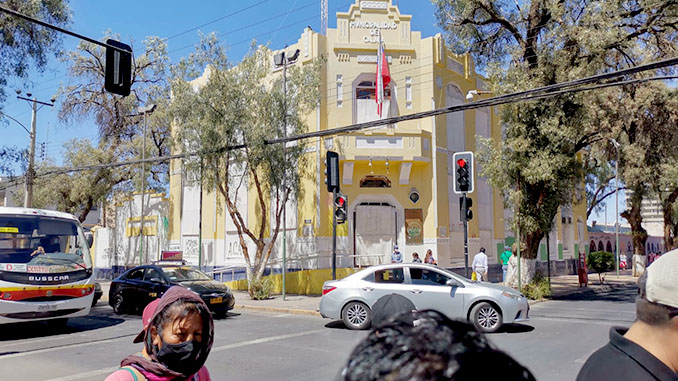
(561, 286)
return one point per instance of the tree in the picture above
(601, 262)
(116, 118)
(78, 193)
(23, 43)
(534, 43)
(642, 117)
(244, 105)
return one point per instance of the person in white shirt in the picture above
(479, 265)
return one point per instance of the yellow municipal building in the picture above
(381, 169)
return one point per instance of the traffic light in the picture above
(468, 213)
(340, 202)
(332, 171)
(118, 73)
(463, 173)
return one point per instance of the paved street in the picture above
(267, 345)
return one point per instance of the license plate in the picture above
(216, 300)
(47, 307)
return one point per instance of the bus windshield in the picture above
(42, 244)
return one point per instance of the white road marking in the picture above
(585, 357)
(98, 372)
(281, 315)
(541, 306)
(93, 373)
(607, 322)
(62, 347)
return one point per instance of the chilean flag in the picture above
(383, 76)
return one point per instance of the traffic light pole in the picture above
(464, 219)
(334, 235)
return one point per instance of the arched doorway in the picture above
(377, 225)
(600, 246)
(608, 248)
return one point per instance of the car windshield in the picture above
(41, 244)
(181, 274)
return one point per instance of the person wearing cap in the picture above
(396, 256)
(177, 333)
(649, 349)
(505, 257)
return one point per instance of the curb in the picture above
(598, 289)
(293, 311)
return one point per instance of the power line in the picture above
(522, 96)
(218, 19)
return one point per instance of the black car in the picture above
(98, 293)
(134, 289)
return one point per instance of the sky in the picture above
(277, 22)
(237, 23)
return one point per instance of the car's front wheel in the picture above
(118, 304)
(356, 315)
(486, 317)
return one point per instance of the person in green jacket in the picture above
(505, 256)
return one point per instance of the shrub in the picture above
(260, 288)
(537, 289)
(600, 262)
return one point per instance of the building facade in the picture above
(398, 178)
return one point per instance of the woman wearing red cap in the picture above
(178, 334)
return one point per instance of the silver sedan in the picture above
(486, 305)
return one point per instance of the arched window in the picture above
(592, 245)
(365, 90)
(608, 248)
(364, 99)
(600, 246)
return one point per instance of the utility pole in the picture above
(30, 173)
(281, 59)
(143, 110)
(465, 222)
(284, 211)
(616, 205)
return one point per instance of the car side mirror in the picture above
(454, 283)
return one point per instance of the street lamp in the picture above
(282, 59)
(28, 194)
(472, 93)
(145, 110)
(617, 146)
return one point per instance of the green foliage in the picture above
(24, 43)
(600, 262)
(244, 105)
(77, 192)
(119, 125)
(260, 288)
(538, 289)
(530, 44)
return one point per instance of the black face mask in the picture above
(182, 358)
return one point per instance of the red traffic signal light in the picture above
(340, 203)
(463, 173)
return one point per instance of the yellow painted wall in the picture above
(305, 282)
